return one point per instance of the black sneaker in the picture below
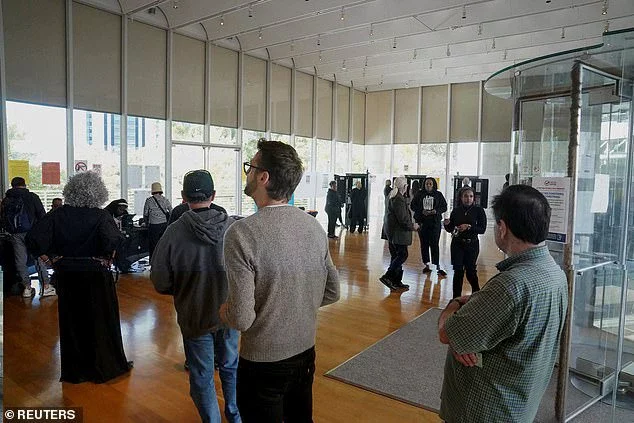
(387, 282)
(401, 287)
(333, 237)
(442, 273)
(426, 269)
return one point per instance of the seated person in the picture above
(118, 209)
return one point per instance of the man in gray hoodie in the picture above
(188, 263)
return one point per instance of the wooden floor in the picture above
(157, 389)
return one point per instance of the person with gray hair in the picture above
(397, 230)
(79, 241)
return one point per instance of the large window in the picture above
(146, 159)
(37, 135)
(249, 148)
(495, 162)
(358, 159)
(305, 190)
(184, 159)
(222, 166)
(223, 135)
(286, 139)
(183, 131)
(463, 160)
(433, 162)
(377, 160)
(322, 177)
(341, 162)
(405, 157)
(97, 144)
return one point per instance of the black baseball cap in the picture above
(198, 184)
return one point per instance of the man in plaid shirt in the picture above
(503, 340)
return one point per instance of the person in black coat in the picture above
(466, 222)
(428, 206)
(333, 208)
(357, 207)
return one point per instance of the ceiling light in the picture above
(445, 71)
(366, 62)
(371, 31)
(448, 51)
(394, 43)
(343, 15)
(547, 1)
(479, 29)
(364, 72)
(222, 20)
(430, 64)
(406, 84)
(505, 55)
(343, 66)
(604, 9)
(175, 5)
(493, 45)
(320, 55)
(563, 33)
(292, 45)
(415, 55)
(250, 10)
(606, 27)
(464, 12)
(260, 33)
(318, 39)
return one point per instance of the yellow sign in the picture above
(19, 168)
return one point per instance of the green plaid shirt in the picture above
(515, 322)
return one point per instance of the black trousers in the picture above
(463, 258)
(154, 233)
(429, 235)
(356, 220)
(276, 392)
(332, 220)
(398, 255)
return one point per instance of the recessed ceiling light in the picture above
(250, 10)
(464, 12)
(343, 14)
(604, 8)
(260, 34)
(222, 20)
(394, 43)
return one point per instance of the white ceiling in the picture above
(389, 43)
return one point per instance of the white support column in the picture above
(4, 138)
(168, 121)
(293, 94)
(333, 128)
(123, 124)
(480, 98)
(70, 102)
(419, 129)
(350, 109)
(313, 165)
(448, 183)
(238, 192)
(267, 120)
(392, 133)
(207, 103)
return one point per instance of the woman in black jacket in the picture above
(428, 206)
(466, 222)
(397, 229)
(333, 208)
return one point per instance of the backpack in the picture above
(16, 216)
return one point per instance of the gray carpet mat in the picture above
(407, 365)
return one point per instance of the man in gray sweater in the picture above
(280, 273)
(188, 264)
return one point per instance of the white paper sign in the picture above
(601, 195)
(557, 192)
(134, 176)
(152, 174)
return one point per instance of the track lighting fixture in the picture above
(604, 9)
(366, 62)
(250, 10)
(430, 64)
(415, 54)
(292, 45)
(318, 40)
(222, 20)
(343, 65)
(343, 14)
(175, 4)
(371, 30)
(563, 33)
(479, 29)
(464, 12)
(493, 45)
(394, 43)
(505, 55)
(448, 51)
(320, 58)
(606, 27)
(547, 1)
(260, 34)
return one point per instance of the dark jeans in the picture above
(463, 258)
(275, 392)
(354, 221)
(398, 255)
(154, 233)
(332, 220)
(429, 235)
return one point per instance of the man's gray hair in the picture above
(85, 189)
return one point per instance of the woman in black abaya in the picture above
(79, 240)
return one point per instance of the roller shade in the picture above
(378, 118)
(465, 107)
(497, 118)
(147, 70)
(280, 99)
(188, 80)
(224, 87)
(406, 117)
(358, 117)
(434, 114)
(324, 109)
(343, 113)
(34, 41)
(96, 59)
(303, 104)
(254, 94)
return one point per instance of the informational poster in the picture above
(601, 194)
(152, 174)
(97, 169)
(135, 176)
(19, 168)
(557, 192)
(81, 166)
(139, 201)
(50, 173)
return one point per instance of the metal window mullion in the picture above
(480, 98)
(70, 102)
(313, 199)
(333, 127)
(448, 186)
(419, 129)
(207, 102)
(168, 121)
(238, 190)
(293, 93)
(350, 108)
(392, 131)
(4, 138)
(123, 124)
(268, 103)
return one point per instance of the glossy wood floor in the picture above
(157, 389)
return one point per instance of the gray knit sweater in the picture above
(280, 272)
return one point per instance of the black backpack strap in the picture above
(167, 215)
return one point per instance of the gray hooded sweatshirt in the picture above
(188, 263)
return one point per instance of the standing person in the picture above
(56, 203)
(466, 222)
(428, 206)
(503, 340)
(80, 240)
(188, 263)
(156, 213)
(397, 229)
(506, 181)
(21, 210)
(280, 273)
(117, 209)
(357, 207)
(387, 189)
(333, 208)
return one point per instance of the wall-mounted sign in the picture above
(19, 168)
(557, 192)
(50, 173)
